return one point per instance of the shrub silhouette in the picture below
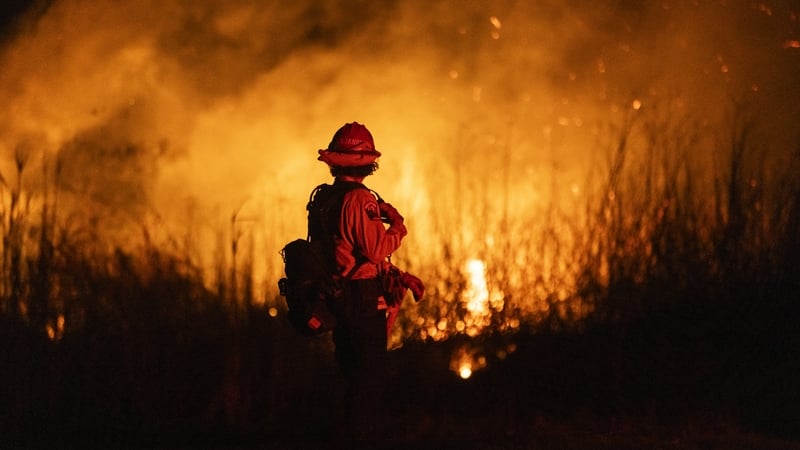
(685, 284)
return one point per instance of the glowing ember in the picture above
(466, 361)
(496, 24)
(56, 331)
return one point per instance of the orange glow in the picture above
(765, 9)
(496, 27)
(55, 331)
(465, 370)
(466, 361)
(476, 296)
(204, 133)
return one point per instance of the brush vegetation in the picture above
(668, 295)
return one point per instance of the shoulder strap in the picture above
(324, 207)
(375, 193)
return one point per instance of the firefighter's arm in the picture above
(372, 239)
(393, 217)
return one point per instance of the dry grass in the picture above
(667, 300)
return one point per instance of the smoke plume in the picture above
(195, 112)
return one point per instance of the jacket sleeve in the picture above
(360, 224)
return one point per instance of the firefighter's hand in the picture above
(388, 211)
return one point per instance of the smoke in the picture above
(192, 112)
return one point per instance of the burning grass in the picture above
(666, 290)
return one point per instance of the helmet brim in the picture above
(349, 158)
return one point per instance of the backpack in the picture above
(311, 285)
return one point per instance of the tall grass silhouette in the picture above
(678, 269)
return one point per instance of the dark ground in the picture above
(552, 392)
(701, 375)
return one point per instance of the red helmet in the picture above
(351, 146)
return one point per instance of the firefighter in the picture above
(362, 243)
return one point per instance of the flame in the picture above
(476, 295)
(173, 122)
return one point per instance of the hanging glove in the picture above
(413, 283)
(393, 288)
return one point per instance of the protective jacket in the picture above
(363, 241)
